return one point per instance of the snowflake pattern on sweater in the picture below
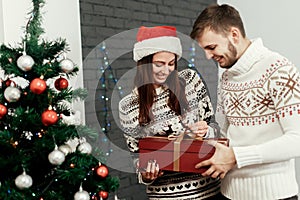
(258, 110)
(165, 120)
(274, 91)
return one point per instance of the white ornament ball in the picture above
(56, 157)
(25, 62)
(12, 94)
(66, 65)
(23, 181)
(66, 149)
(81, 195)
(85, 147)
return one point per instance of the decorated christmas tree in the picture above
(44, 148)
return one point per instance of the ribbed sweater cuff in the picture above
(246, 156)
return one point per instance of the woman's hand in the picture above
(199, 129)
(152, 172)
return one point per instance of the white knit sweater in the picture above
(260, 96)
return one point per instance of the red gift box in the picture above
(176, 155)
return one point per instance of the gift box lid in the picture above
(186, 145)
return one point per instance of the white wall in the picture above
(1, 23)
(61, 19)
(277, 23)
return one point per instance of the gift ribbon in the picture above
(176, 152)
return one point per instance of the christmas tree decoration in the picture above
(21, 82)
(28, 135)
(61, 83)
(65, 148)
(3, 110)
(81, 195)
(102, 171)
(38, 85)
(49, 117)
(45, 140)
(25, 62)
(12, 94)
(56, 157)
(8, 82)
(85, 148)
(23, 181)
(72, 119)
(66, 65)
(103, 194)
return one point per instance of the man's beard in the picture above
(231, 56)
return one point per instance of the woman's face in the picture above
(163, 63)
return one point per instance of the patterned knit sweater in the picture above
(260, 96)
(172, 185)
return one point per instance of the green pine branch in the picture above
(25, 142)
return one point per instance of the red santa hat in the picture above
(151, 40)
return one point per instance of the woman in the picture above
(159, 104)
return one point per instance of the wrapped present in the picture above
(179, 154)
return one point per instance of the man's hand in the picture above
(220, 163)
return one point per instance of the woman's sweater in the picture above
(260, 97)
(172, 185)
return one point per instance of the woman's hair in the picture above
(145, 85)
(219, 19)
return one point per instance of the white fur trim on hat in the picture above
(154, 45)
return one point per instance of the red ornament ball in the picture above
(61, 83)
(3, 110)
(49, 117)
(38, 86)
(8, 82)
(103, 194)
(102, 171)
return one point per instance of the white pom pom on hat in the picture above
(151, 40)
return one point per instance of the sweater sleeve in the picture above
(128, 115)
(220, 114)
(204, 105)
(284, 89)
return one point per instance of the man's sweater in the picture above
(260, 97)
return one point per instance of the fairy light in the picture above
(104, 82)
(192, 56)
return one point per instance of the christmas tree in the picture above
(45, 150)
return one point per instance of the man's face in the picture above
(219, 48)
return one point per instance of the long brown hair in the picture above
(146, 91)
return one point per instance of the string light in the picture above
(192, 59)
(105, 82)
(192, 56)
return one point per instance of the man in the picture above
(258, 110)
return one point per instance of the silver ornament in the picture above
(23, 181)
(25, 62)
(85, 147)
(81, 195)
(66, 149)
(12, 94)
(66, 65)
(56, 157)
